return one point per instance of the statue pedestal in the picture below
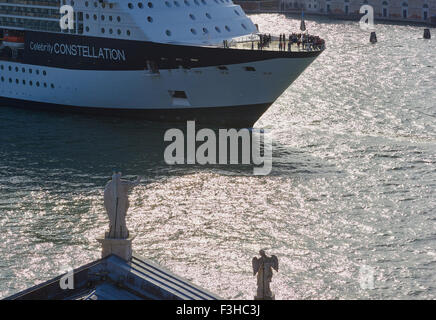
(119, 247)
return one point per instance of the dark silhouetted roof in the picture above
(112, 278)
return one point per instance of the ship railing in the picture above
(295, 43)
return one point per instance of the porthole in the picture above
(176, 3)
(168, 33)
(102, 30)
(130, 6)
(196, 2)
(187, 3)
(218, 29)
(23, 70)
(244, 26)
(45, 84)
(128, 32)
(237, 13)
(10, 68)
(150, 19)
(111, 31)
(24, 82)
(227, 28)
(37, 72)
(87, 29)
(150, 5)
(168, 4)
(10, 80)
(95, 17)
(102, 18)
(203, 2)
(192, 16)
(17, 81)
(140, 5)
(119, 19)
(37, 83)
(205, 30)
(208, 16)
(193, 31)
(52, 86)
(3, 79)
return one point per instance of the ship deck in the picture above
(274, 43)
(275, 46)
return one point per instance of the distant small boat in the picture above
(373, 38)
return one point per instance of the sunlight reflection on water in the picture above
(353, 182)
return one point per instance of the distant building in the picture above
(398, 10)
(385, 9)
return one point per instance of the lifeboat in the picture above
(13, 40)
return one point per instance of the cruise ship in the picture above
(159, 60)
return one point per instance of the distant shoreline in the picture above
(350, 17)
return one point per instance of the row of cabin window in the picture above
(175, 2)
(102, 18)
(206, 31)
(37, 83)
(111, 31)
(103, 4)
(2, 67)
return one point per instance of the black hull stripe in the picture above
(94, 53)
(229, 117)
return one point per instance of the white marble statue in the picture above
(263, 267)
(116, 202)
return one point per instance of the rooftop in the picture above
(113, 278)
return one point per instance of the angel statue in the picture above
(116, 202)
(263, 267)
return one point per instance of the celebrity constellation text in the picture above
(79, 51)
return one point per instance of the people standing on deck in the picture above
(283, 42)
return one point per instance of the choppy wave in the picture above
(353, 182)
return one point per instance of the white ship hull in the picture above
(231, 87)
